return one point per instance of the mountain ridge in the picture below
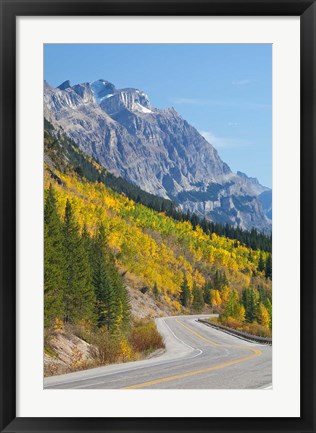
(155, 149)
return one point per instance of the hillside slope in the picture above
(151, 247)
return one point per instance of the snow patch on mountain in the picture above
(157, 150)
(141, 108)
(102, 89)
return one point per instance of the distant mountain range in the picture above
(156, 150)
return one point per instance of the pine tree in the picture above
(185, 294)
(261, 265)
(107, 307)
(268, 268)
(207, 292)
(113, 304)
(155, 290)
(231, 305)
(217, 280)
(121, 298)
(220, 280)
(86, 239)
(250, 300)
(240, 312)
(53, 261)
(223, 280)
(198, 301)
(79, 296)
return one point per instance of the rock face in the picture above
(266, 202)
(154, 149)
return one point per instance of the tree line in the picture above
(252, 305)
(58, 147)
(81, 281)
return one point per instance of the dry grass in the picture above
(102, 348)
(145, 338)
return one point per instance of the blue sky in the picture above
(223, 90)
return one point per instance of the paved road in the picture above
(196, 357)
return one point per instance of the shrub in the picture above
(83, 330)
(144, 337)
(105, 348)
(249, 328)
(58, 326)
(144, 289)
(126, 350)
(77, 360)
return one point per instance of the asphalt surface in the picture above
(196, 357)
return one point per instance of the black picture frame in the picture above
(10, 9)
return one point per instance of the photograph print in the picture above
(157, 216)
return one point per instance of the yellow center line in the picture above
(255, 353)
(191, 373)
(198, 335)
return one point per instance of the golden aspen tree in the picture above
(216, 300)
(263, 316)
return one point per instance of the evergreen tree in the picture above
(231, 305)
(103, 283)
(268, 268)
(263, 295)
(86, 239)
(261, 265)
(53, 261)
(155, 291)
(217, 280)
(198, 301)
(220, 280)
(207, 292)
(223, 280)
(250, 300)
(240, 312)
(122, 300)
(185, 292)
(250, 256)
(113, 304)
(79, 296)
(194, 220)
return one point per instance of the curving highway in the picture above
(196, 357)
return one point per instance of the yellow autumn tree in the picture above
(263, 316)
(216, 300)
(225, 295)
(152, 246)
(240, 313)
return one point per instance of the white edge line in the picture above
(163, 320)
(110, 373)
(181, 341)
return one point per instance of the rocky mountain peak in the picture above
(65, 85)
(133, 100)
(102, 89)
(84, 90)
(254, 182)
(155, 149)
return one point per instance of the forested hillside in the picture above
(65, 155)
(155, 249)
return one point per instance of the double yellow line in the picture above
(254, 354)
